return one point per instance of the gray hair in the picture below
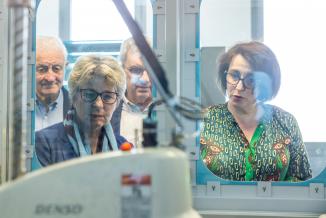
(89, 66)
(129, 45)
(51, 42)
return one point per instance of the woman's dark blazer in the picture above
(52, 145)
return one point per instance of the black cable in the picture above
(143, 45)
(187, 107)
(190, 109)
(152, 106)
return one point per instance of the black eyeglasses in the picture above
(43, 68)
(89, 96)
(136, 70)
(234, 77)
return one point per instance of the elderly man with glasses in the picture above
(127, 119)
(96, 85)
(52, 99)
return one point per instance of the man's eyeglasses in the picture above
(136, 70)
(89, 96)
(43, 68)
(234, 77)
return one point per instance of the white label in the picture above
(136, 196)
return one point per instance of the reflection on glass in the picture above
(138, 97)
(100, 20)
(87, 24)
(298, 44)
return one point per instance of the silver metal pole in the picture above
(19, 35)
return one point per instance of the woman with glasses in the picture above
(96, 85)
(247, 139)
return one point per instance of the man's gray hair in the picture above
(52, 42)
(129, 45)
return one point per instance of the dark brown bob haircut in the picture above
(261, 59)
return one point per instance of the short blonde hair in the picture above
(89, 66)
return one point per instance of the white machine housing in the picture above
(93, 187)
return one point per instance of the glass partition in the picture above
(91, 28)
(223, 23)
(292, 30)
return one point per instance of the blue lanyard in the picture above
(85, 149)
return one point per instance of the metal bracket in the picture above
(264, 189)
(31, 59)
(213, 189)
(193, 174)
(159, 7)
(31, 104)
(28, 150)
(192, 54)
(193, 152)
(191, 6)
(160, 54)
(317, 190)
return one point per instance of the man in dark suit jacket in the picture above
(52, 99)
(52, 102)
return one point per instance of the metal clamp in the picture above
(31, 58)
(191, 6)
(192, 54)
(30, 104)
(160, 55)
(159, 7)
(193, 152)
(29, 150)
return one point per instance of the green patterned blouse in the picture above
(276, 151)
